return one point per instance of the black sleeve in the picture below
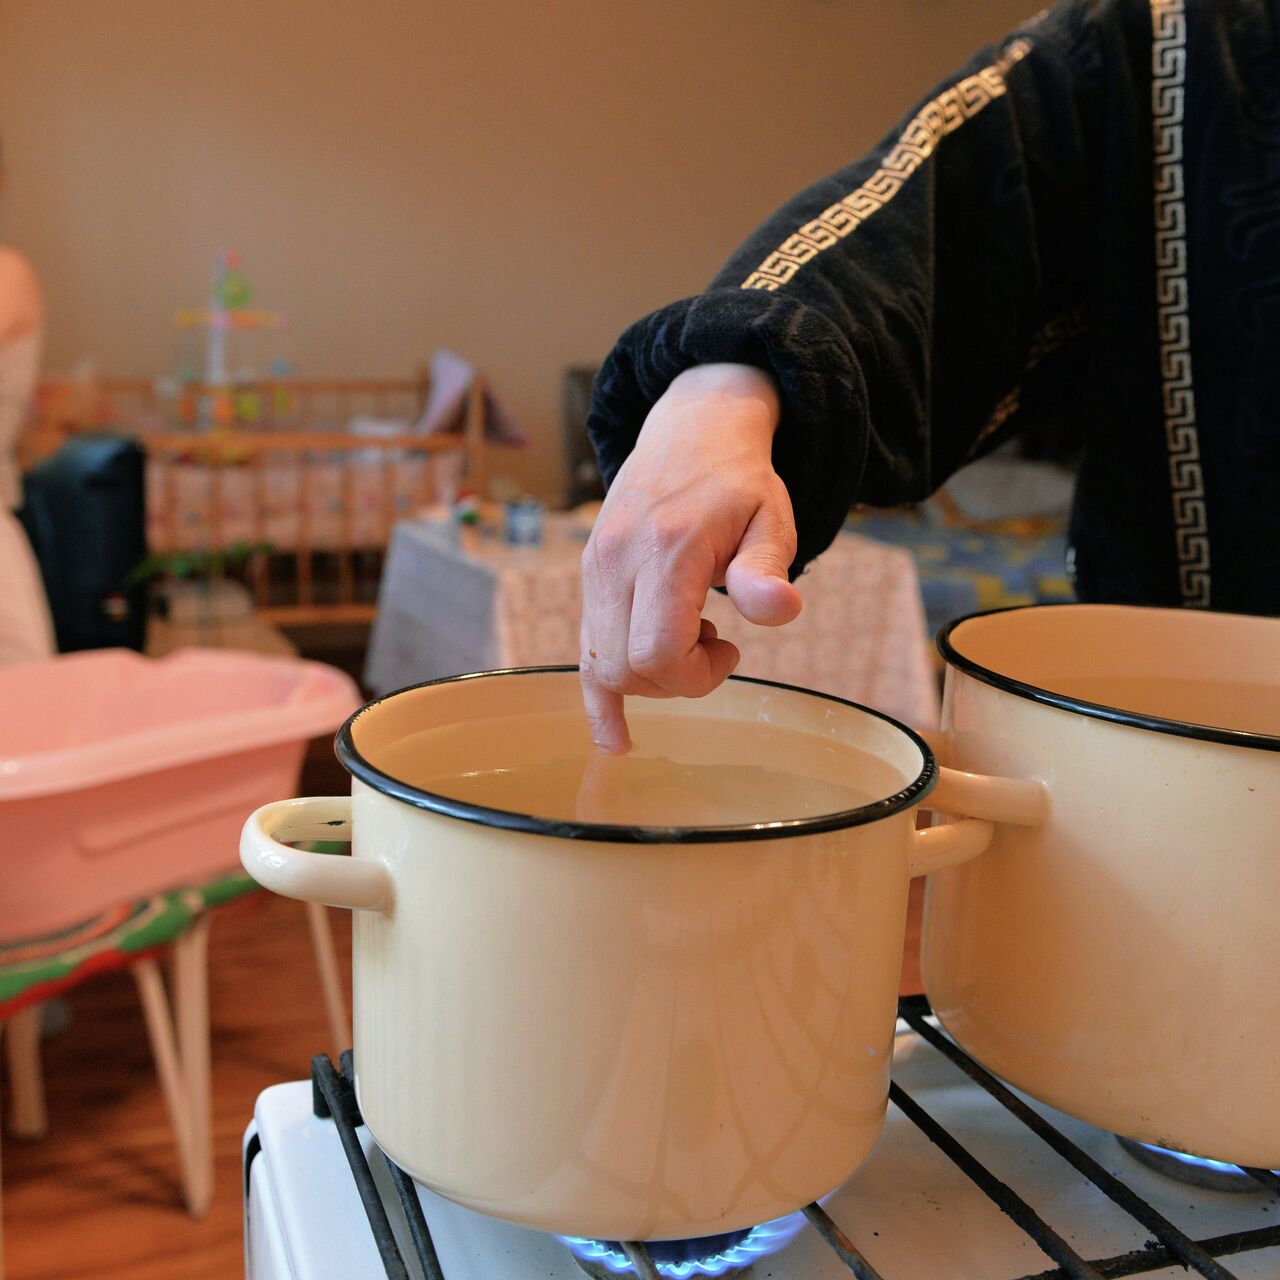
(899, 302)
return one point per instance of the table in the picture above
(448, 605)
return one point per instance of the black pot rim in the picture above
(359, 767)
(1097, 710)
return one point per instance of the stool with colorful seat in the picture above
(133, 936)
(136, 936)
(124, 782)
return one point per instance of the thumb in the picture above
(756, 578)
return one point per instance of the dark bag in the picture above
(84, 510)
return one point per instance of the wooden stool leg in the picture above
(191, 1009)
(173, 1087)
(28, 1119)
(335, 1005)
(2, 1031)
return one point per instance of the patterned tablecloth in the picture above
(446, 608)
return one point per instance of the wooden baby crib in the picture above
(315, 500)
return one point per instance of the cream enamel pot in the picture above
(625, 1032)
(1120, 961)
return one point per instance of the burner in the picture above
(1195, 1171)
(725, 1256)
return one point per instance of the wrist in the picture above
(750, 391)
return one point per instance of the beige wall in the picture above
(515, 180)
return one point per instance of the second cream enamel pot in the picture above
(1120, 960)
(625, 1032)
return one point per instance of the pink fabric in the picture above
(26, 631)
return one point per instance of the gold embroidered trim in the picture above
(1168, 82)
(937, 118)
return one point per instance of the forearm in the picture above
(897, 304)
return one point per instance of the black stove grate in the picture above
(334, 1096)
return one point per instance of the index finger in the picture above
(605, 716)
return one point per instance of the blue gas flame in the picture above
(1199, 1162)
(760, 1241)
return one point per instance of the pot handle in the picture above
(1022, 802)
(312, 877)
(933, 848)
(984, 801)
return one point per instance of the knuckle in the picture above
(778, 543)
(608, 545)
(779, 500)
(666, 528)
(660, 669)
(787, 543)
(775, 560)
(649, 657)
(606, 674)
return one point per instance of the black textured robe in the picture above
(1080, 228)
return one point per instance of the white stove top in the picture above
(908, 1209)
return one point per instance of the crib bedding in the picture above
(967, 570)
(324, 503)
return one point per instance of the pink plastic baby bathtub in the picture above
(122, 775)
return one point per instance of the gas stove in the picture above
(969, 1181)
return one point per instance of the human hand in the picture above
(697, 505)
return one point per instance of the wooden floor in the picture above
(98, 1198)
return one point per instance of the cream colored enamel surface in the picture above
(1120, 961)
(628, 1041)
(312, 877)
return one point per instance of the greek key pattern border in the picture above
(1178, 398)
(919, 140)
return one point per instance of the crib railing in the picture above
(319, 508)
(315, 503)
(269, 404)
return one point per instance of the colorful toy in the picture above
(224, 403)
(466, 507)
